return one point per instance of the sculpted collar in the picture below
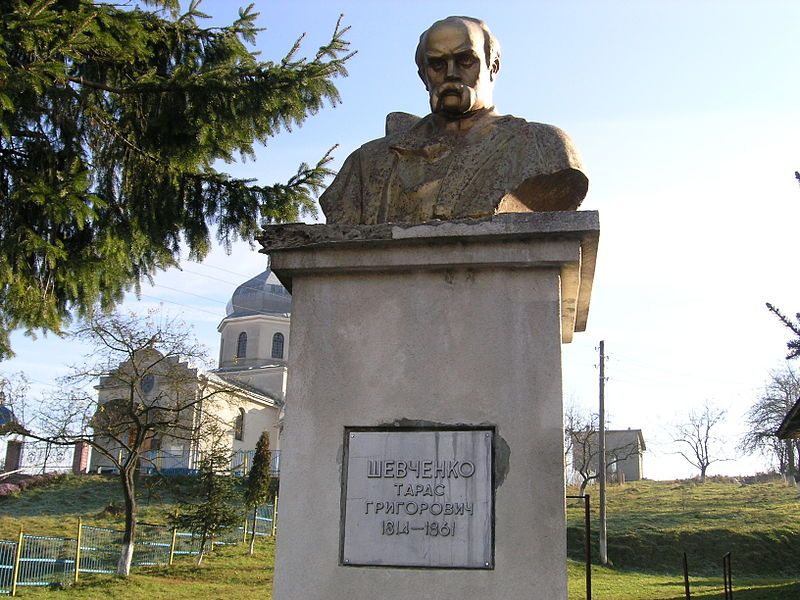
(460, 123)
(432, 139)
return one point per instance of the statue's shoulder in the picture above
(543, 131)
(398, 123)
(543, 141)
(401, 129)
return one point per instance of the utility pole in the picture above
(602, 458)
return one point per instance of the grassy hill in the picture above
(650, 525)
(54, 509)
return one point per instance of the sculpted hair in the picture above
(491, 47)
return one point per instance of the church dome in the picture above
(261, 295)
(7, 416)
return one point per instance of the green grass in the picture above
(650, 526)
(228, 573)
(614, 584)
(54, 509)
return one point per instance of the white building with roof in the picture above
(254, 341)
(254, 344)
(254, 336)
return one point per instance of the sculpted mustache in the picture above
(450, 87)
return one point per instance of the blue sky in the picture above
(687, 115)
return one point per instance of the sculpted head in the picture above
(458, 59)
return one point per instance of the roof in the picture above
(790, 426)
(246, 391)
(261, 295)
(621, 437)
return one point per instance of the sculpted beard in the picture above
(452, 89)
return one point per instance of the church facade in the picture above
(250, 378)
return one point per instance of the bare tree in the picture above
(149, 390)
(14, 395)
(13, 411)
(572, 422)
(582, 447)
(765, 416)
(698, 440)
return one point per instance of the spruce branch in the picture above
(792, 345)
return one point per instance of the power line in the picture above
(670, 373)
(224, 270)
(213, 278)
(189, 306)
(166, 287)
(238, 285)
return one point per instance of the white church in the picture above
(254, 343)
(253, 347)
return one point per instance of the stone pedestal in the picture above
(455, 326)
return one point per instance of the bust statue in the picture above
(464, 160)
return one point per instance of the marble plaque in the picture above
(418, 499)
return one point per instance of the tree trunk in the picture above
(253, 532)
(128, 475)
(703, 474)
(202, 553)
(46, 457)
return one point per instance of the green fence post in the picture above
(78, 549)
(17, 557)
(172, 545)
(275, 516)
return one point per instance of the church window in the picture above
(147, 383)
(238, 426)
(277, 345)
(241, 346)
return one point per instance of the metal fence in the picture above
(45, 561)
(186, 544)
(263, 523)
(99, 549)
(242, 460)
(153, 545)
(34, 560)
(8, 550)
(165, 463)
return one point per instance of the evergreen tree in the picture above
(258, 482)
(214, 504)
(111, 120)
(794, 326)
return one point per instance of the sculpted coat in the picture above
(418, 173)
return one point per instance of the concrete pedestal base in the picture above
(449, 325)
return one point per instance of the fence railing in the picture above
(34, 560)
(99, 549)
(263, 523)
(7, 552)
(45, 561)
(160, 461)
(242, 460)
